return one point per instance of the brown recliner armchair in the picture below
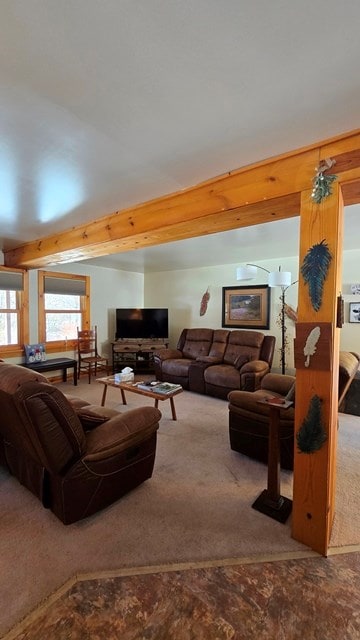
(75, 457)
(249, 419)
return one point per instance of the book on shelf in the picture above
(159, 387)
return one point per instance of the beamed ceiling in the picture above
(124, 125)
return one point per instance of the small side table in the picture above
(270, 501)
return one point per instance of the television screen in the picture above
(141, 323)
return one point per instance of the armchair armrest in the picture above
(249, 404)
(278, 383)
(252, 373)
(91, 415)
(121, 432)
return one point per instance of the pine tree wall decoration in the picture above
(322, 182)
(311, 435)
(314, 270)
(322, 187)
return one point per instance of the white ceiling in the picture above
(107, 104)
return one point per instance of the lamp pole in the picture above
(280, 279)
(283, 332)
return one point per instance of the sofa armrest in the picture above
(255, 366)
(120, 432)
(167, 354)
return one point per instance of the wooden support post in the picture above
(315, 473)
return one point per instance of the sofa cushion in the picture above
(223, 375)
(178, 367)
(209, 359)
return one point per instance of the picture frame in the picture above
(354, 312)
(246, 307)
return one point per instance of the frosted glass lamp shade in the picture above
(248, 272)
(279, 279)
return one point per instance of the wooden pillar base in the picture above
(278, 509)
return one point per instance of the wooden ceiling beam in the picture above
(259, 193)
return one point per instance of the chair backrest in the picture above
(195, 342)
(348, 367)
(243, 343)
(37, 419)
(87, 342)
(219, 343)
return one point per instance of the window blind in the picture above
(11, 281)
(64, 286)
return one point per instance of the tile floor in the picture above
(309, 598)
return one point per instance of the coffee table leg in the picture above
(173, 412)
(172, 405)
(123, 396)
(104, 395)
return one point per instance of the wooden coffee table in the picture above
(128, 386)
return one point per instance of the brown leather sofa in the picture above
(249, 420)
(216, 361)
(77, 458)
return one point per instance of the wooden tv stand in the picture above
(136, 353)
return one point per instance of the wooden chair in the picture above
(88, 356)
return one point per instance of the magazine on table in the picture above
(159, 387)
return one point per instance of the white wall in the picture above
(350, 333)
(181, 292)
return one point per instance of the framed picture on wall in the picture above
(246, 307)
(354, 312)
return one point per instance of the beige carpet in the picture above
(195, 508)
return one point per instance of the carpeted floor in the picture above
(195, 508)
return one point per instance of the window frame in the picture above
(22, 310)
(61, 345)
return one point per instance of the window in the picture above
(14, 310)
(63, 308)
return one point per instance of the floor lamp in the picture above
(280, 279)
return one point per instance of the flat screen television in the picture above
(141, 323)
